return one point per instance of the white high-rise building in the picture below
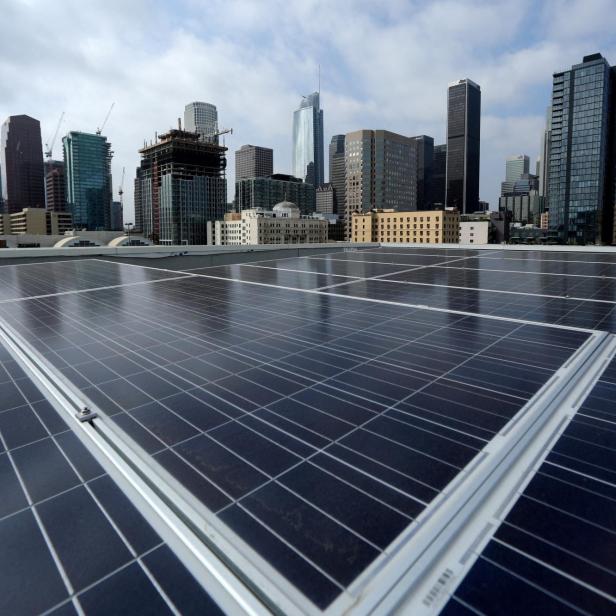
(202, 118)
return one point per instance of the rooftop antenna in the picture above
(319, 90)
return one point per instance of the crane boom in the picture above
(49, 148)
(102, 126)
(121, 188)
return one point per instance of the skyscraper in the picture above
(582, 157)
(87, 168)
(202, 118)
(337, 172)
(463, 135)
(253, 161)
(543, 164)
(381, 170)
(308, 161)
(439, 175)
(55, 186)
(180, 186)
(425, 163)
(516, 166)
(21, 164)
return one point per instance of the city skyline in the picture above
(356, 93)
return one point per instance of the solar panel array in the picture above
(319, 406)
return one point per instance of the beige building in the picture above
(35, 221)
(426, 227)
(280, 225)
(475, 232)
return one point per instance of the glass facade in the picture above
(267, 192)
(308, 163)
(180, 187)
(516, 166)
(87, 169)
(425, 164)
(202, 118)
(463, 139)
(581, 174)
(337, 172)
(439, 174)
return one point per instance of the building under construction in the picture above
(179, 187)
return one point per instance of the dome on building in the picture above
(286, 209)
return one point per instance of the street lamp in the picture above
(128, 226)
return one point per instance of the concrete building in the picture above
(428, 227)
(463, 144)
(264, 193)
(325, 199)
(474, 232)
(202, 118)
(87, 168)
(283, 224)
(55, 186)
(308, 160)
(22, 178)
(425, 167)
(180, 186)
(381, 173)
(583, 154)
(337, 173)
(253, 161)
(35, 221)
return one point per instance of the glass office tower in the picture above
(337, 173)
(425, 164)
(463, 134)
(308, 141)
(581, 172)
(202, 118)
(87, 169)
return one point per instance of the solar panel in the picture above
(553, 552)
(322, 416)
(72, 542)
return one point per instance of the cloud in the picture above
(383, 65)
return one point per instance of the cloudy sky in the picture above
(383, 65)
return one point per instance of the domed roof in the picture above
(285, 205)
(286, 209)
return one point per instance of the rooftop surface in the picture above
(394, 429)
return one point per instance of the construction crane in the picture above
(100, 130)
(218, 133)
(49, 147)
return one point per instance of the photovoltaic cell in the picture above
(70, 537)
(553, 552)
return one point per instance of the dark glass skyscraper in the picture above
(425, 163)
(463, 135)
(439, 175)
(87, 168)
(337, 173)
(21, 164)
(308, 141)
(582, 158)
